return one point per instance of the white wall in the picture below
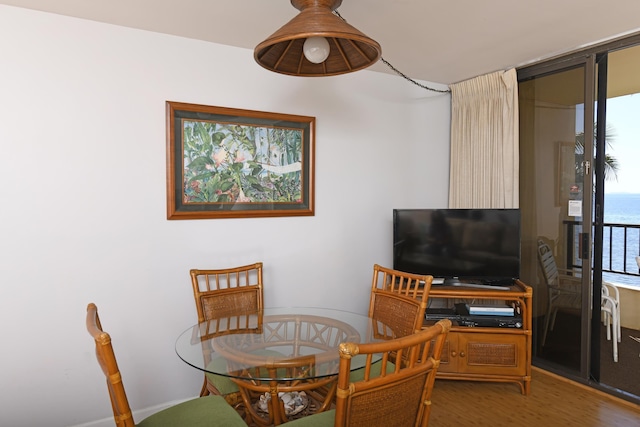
(83, 216)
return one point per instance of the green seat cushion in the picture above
(323, 419)
(358, 374)
(225, 385)
(203, 411)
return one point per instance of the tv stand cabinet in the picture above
(487, 353)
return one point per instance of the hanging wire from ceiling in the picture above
(401, 74)
(398, 72)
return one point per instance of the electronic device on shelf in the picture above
(459, 247)
(460, 314)
(491, 322)
(491, 310)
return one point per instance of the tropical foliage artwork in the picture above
(233, 163)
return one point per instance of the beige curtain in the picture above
(484, 142)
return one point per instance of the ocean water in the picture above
(621, 208)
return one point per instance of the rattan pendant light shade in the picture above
(350, 50)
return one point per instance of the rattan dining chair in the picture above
(399, 299)
(226, 292)
(202, 411)
(397, 304)
(399, 398)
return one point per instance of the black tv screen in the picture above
(479, 245)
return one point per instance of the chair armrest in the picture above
(612, 304)
(611, 291)
(569, 272)
(568, 284)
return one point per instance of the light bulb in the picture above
(316, 49)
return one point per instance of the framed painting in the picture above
(231, 163)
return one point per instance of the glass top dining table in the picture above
(265, 345)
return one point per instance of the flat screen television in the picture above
(458, 245)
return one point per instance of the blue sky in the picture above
(623, 116)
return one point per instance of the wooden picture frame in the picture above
(232, 163)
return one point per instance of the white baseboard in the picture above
(138, 415)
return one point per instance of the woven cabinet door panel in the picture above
(491, 354)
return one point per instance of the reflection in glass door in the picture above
(556, 110)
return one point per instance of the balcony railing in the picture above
(620, 247)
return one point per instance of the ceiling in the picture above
(440, 41)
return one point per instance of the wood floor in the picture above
(554, 401)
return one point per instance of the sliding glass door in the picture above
(580, 205)
(556, 132)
